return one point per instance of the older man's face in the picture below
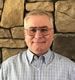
(38, 33)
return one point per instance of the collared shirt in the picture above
(53, 67)
(48, 56)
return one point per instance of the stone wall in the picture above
(11, 25)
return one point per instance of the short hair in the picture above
(39, 12)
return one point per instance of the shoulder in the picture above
(64, 64)
(64, 60)
(14, 59)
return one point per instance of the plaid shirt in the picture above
(50, 66)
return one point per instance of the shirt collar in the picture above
(30, 55)
(48, 56)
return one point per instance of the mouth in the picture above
(39, 42)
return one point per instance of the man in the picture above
(38, 62)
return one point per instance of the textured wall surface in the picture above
(11, 25)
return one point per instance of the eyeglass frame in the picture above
(39, 29)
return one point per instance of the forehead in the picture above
(37, 20)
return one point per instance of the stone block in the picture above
(12, 14)
(6, 53)
(4, 33)
(0, 14)
(64, 44)
(0, 56)
(48, 6)
(12, 43)
(65, 16)
(18, 32)
(1, 4)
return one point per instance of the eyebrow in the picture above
(39, 27)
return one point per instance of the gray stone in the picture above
(64, 44)
(12, 13)
(18, 32)
(12, 43)
(0, 53)
(4, 33)
(48, 6)
(1, 4)
(65, 16)
(9, 52)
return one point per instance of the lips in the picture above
(39, 41)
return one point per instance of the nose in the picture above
(38, 34)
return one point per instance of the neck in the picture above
(39, 54)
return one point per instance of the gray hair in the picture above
(39, 12)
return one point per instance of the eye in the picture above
(44, 30)
(33, 30)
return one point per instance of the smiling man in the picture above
(38, 62)
(38, 33)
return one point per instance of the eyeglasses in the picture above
(44, 31)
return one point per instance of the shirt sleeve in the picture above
(3, 72)
(72, 73)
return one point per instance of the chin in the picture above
(39, 51)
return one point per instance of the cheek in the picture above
(49, 40)
(28, 40)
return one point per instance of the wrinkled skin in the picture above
(38, 44)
